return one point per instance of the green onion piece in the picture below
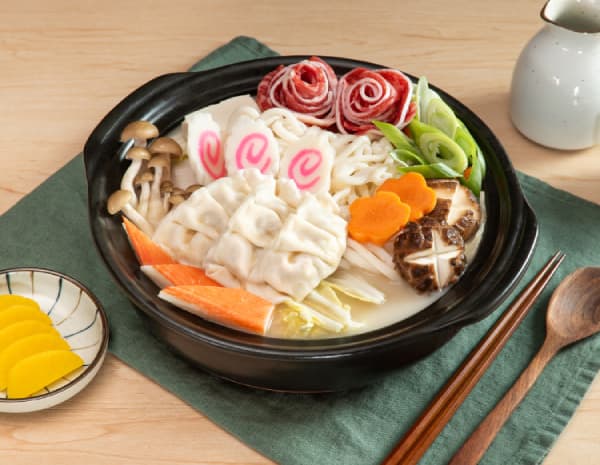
(432, 110)
(476, 160)
(475, 180)
(464, 138)
(422, 97)
(406, 157)
(396, 136)
(437, 147)
(434, 170)
(439, 115)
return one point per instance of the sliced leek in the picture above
(437, 147)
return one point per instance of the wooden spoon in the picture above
(573, 314)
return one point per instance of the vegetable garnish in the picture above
(376, 219)
(324, 309)
(355, 287)
(476, 173)
(432, 110)
(441, 146)
(434, 170)
(438, 147)
(413, 190)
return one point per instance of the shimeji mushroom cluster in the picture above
(147, 192)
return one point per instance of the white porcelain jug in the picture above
(555, 91)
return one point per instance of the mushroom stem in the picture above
(166, 188)
(155, 204)
(138, 157)
(127, 180)
(138, 219)
(119, 202)
(143, 181)
(144, 199)
(161, 164)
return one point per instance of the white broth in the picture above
(402, 302)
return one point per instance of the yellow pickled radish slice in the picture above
(34, 373)
(23, 329)
(25, 347)
(8, 300)
(21, 312)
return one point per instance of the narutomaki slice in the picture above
(232, 307)
(146, 251)
(364, 95)
(307, 88)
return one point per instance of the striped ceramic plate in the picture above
(79, 318)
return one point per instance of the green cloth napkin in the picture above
(49, 228)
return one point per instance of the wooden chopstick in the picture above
(447, 401)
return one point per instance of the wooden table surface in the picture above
(65, 63)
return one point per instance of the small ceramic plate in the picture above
(79, 318)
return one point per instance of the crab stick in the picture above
(146, 251)
(232, 307)
(176, 274)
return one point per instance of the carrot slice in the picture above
(146, 251)
(232, 307)
(376, 219)
(412, 189)
(176, 274)
(467, 173)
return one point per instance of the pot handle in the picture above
(508, 281)
(523, 255)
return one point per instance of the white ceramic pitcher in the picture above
(555, 91)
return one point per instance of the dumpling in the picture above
(292, 274)
(203, 213)
(184, 244)
(242, 232)
(229, 192)
(258, 223)
(234, 252)
(190, 229)
(311, 209)
(222, 275)
(301, 236)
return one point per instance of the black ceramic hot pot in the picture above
(302, 365)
